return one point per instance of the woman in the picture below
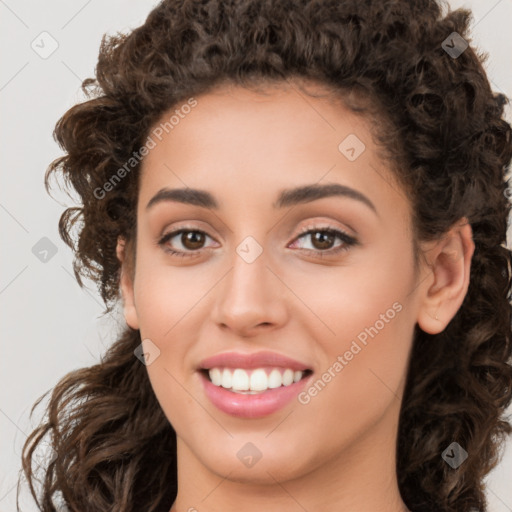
(302, 208)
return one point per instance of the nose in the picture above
(251, 297)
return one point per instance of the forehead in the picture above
(279, 122)
(241, 142)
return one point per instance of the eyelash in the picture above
(348, 241)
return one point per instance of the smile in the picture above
(252, 404)
(252, 385)
(254, 381)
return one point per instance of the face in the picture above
(322, 286)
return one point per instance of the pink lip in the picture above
(251, 406)
(255, 360)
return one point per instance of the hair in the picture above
(444, 134)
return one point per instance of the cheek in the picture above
(164, 295)
(340, 302)
(165, 298)
(175, 397)
(364, 336)
(363, 375)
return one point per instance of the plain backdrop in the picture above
(49, 326)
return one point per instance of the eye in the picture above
(324, 238)
(192, 241)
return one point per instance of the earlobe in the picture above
(448, 282)
(126, 285)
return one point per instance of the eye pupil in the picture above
(193, 237)
(325, 239)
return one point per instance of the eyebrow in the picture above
(289, 197)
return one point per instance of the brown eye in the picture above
(192, 240)
(323, 240)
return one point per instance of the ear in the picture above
(126, 284)
(447, 281)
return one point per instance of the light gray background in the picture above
(49, 326)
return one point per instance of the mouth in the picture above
(253, 381)
(252, 403)
(252, 385)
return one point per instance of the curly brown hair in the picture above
(450, 148)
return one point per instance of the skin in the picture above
(336, 452)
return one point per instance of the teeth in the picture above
(253, 381)
(240, 380)
(226, 380)
(287, 377)
(259, 380)
(274, 379)
(216, 376)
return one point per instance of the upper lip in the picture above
(254, 360)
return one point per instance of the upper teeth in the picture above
(238, 379)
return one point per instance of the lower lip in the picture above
(251, 406)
